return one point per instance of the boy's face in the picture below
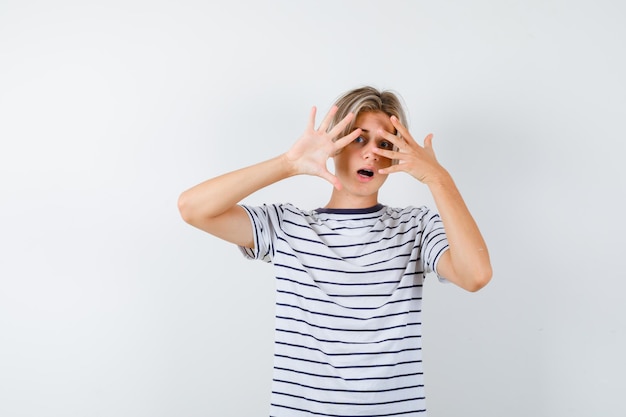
(357, 166)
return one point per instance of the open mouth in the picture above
(366, 172)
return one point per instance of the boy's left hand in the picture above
(418, 161)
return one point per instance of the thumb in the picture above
(428, 141)
(428, 144)
(331, 179)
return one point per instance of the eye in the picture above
(385, 144)
(360, 139)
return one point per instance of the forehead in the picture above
(373, 121)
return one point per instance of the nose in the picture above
(368, 154)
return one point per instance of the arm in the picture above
(212, 205)
(466, 263)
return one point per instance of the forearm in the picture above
(213, 197)
(469, 264)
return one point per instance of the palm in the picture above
(311, 151)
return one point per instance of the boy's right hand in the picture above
(311, 151)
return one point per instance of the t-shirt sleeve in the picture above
(263, 233)
(434, 242)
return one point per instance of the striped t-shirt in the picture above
(348, 306)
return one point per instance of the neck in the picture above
(339, 200)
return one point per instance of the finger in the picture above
(392, 169)
(331, 179)
(397, 141)
(428, 145)
(404, 132)
(339, 127)
(328, 118)
(428, 141)
(311, 125)
(385, 153)
(346, 140)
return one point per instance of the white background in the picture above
(110, 305)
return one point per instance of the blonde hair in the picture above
(367, 99)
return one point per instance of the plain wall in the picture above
(110, 305)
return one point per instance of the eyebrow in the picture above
(395, 131)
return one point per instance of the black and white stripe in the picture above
(348, 307)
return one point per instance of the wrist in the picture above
(287, 164)
(442, 179)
